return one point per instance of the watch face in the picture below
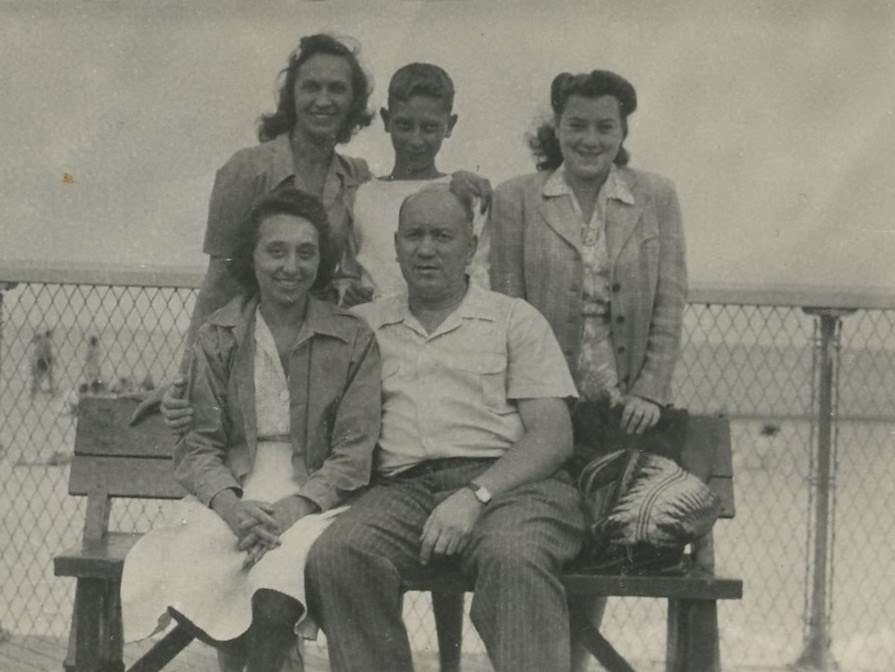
(481, 493)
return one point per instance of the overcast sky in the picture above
(775, 119)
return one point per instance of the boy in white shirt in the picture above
(419, 117)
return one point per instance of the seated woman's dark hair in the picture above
(281, 121)
(544, 143)
(285, 200)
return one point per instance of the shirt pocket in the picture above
(485, 372)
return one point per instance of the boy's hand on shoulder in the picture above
(355, 293)
(478, 186)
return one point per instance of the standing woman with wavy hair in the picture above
(597, 247)
(322, 102)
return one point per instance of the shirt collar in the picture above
(321, 318)
(396, 309)
(614, 187)
(283, 166)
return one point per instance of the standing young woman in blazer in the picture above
(598, 248)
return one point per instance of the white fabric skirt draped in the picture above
(191, 562)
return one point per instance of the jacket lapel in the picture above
(560, 216)
(622, 218)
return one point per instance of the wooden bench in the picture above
(113, 459)
(692, 643)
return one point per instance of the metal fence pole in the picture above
(4, 286)
(816, 654)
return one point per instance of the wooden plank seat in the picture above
(113, 459)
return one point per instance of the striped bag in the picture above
(638, 499)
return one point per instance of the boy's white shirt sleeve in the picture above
(479, 267)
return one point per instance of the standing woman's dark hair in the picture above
(544, 143)
(272, 125)
(282, 201)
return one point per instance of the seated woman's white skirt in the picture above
(191, 562)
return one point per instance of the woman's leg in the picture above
(273, 630)
(232, 657)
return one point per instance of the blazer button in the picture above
(616, 287)
(621, 349)
(620, 319)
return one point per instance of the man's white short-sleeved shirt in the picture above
(452, 393)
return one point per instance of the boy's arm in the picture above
(216, 290)
(218, 287)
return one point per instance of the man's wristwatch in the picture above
(480, 491)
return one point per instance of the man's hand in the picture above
(639, 415)
(449, 527)
(478, 186)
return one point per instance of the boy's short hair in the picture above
(421, 79)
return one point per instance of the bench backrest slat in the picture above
(715, 467)
(135, 477)
(104, 429)
(113, 459)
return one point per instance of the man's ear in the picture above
(452, 120)
(383, 113)
(473, 248)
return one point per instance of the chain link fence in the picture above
(757, 363)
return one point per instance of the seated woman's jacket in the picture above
(335, 403)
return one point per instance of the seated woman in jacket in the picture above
(286, 396)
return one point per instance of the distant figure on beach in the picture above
(122, 386)
(42, 362)
(91, 373)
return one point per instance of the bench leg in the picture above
(111, 642)
(448, 611)
(164, 651)
(84, 643)
(584, 609)
(693, 642)
(584, 633)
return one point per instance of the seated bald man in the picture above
(475, 428)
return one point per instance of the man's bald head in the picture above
(436, 195)
(434, 244)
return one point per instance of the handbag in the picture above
(643, 509)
